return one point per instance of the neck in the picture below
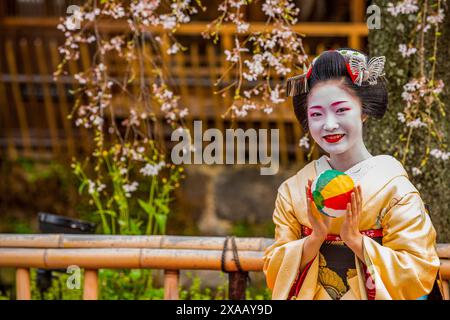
(348, 159)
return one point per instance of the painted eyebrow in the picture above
(333, 104)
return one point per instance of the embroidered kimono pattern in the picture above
(337, 265)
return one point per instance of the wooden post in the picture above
(11, 57)
(354, 41)
(357, 14)
(237, 283)
(50, 110)
(5, 117)
(90, 290)
(171, 284)
(358, 10)
(23, 291)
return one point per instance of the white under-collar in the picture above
(356, 172)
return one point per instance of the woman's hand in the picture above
(350, 228)
(320, 223)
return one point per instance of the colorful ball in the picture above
(331, 192)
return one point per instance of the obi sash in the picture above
(336, 264)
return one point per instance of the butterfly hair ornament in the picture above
(359, 69)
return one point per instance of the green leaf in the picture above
(110, 212)
(162, 206)
(135, 227)
(161, 220)
(135, 274)
(149, 209)
(81, 187)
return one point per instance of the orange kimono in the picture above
(400, 260)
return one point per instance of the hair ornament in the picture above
(358, 69)
(367, 71)
(298, 84)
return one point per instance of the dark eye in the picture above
(315, 114)
(340, 110)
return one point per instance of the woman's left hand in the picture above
(350, 228)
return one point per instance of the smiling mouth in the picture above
(333, 138)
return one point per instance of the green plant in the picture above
(117, 177)
(245, 228)
(58, 289)
(136, 284)
(128, 284)
(258, 294)
(17, 225)
(195, 292)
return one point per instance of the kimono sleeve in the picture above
(406, 265)
(282, 258)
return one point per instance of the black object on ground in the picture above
(52, 223)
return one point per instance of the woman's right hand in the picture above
(320, 223)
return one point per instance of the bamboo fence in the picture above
(171, 253)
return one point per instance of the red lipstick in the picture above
(333, 138)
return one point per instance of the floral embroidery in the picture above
(330, 280)
(370, 284)
(351, 273)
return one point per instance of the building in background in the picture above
(213, 199)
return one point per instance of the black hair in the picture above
(331, 65)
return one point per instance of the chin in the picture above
(340, 147)
(337, 149)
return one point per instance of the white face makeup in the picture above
(335, 119)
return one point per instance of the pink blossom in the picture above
(405, 51)
(403, 7)
(304, 142)
(275, 96)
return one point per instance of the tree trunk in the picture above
(383, 136)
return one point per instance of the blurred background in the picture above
(37, 142)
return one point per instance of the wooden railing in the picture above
(171, 253)
(34, 107)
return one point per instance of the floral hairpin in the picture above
(357, 66)
(363, 71)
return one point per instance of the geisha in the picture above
(384, 246)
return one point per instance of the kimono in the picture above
(400, 259)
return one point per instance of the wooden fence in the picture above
(34, 107)
(171, 253)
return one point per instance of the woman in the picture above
(384, 247)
